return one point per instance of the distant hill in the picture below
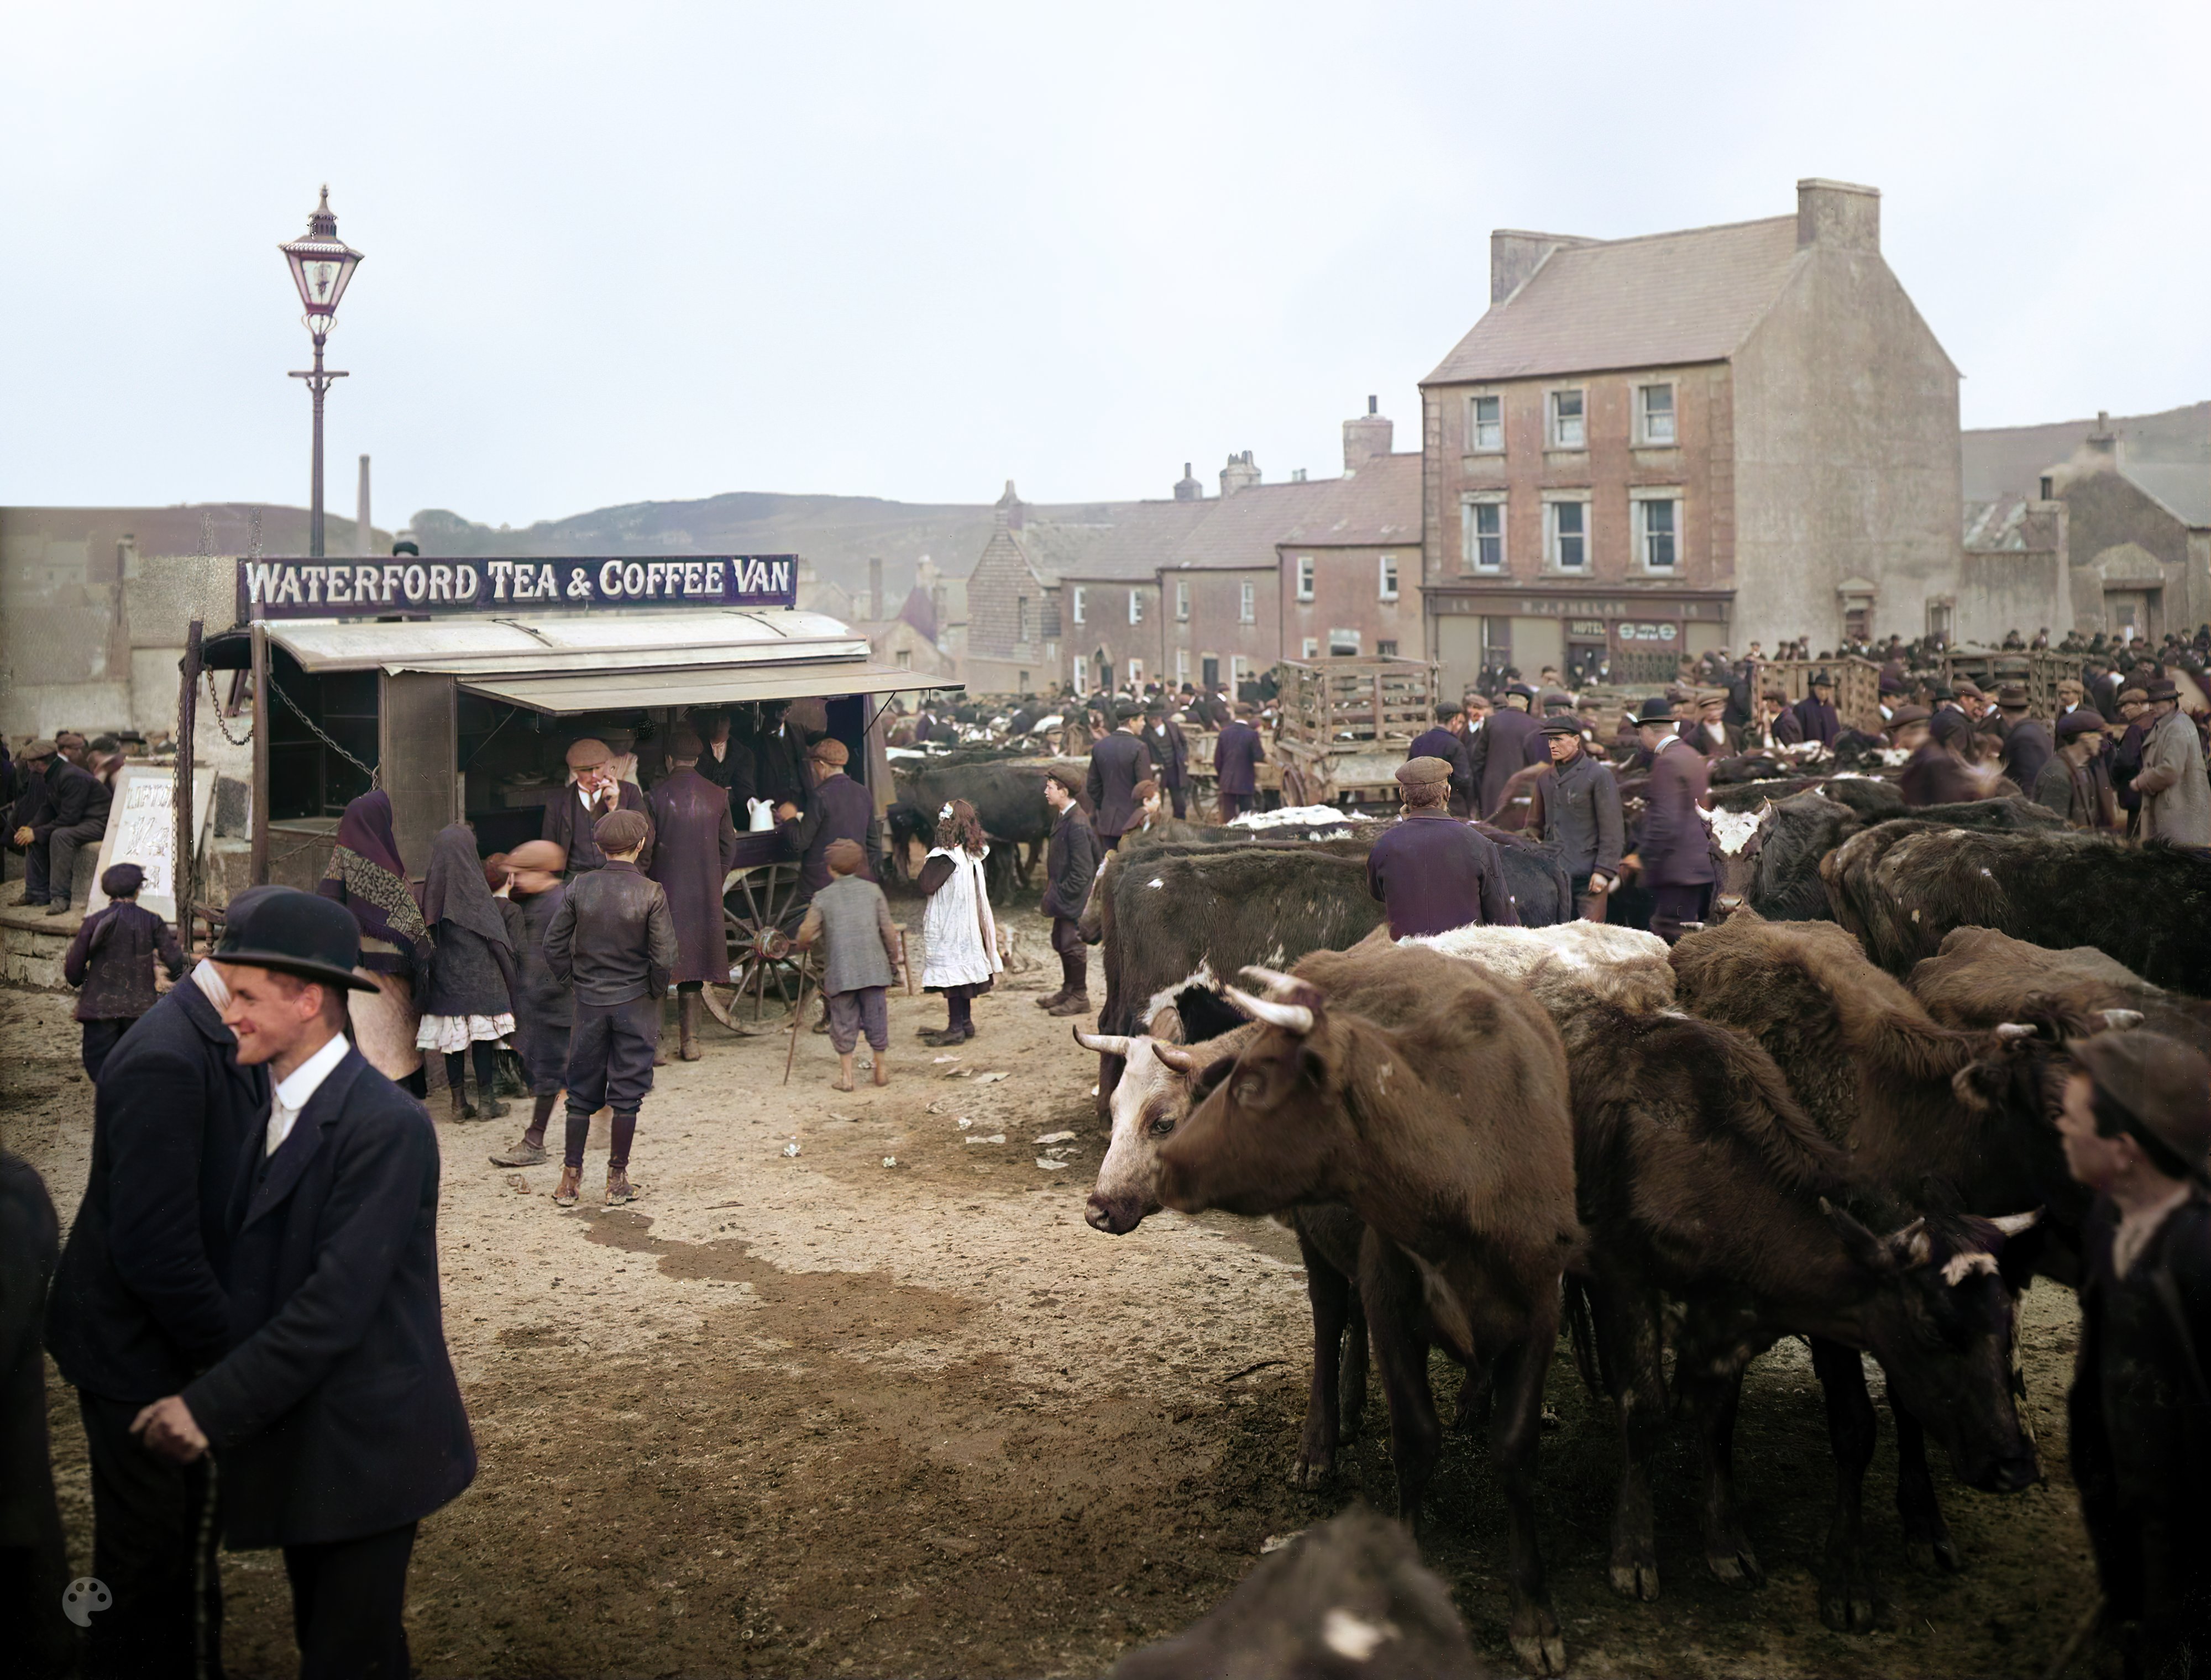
(2007, 460)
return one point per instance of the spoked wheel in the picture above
(755, 909)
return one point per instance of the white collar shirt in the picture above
(295, 1088)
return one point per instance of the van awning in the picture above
(700, 687)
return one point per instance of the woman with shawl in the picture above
(470, 1002)
(960, 939)
(367, 876)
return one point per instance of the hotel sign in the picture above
(405, 586)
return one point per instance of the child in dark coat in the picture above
(544, 1005)
(111, 961)
(470, 1002)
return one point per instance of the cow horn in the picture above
(2121, 1020)
(1277, 984)
(1106, 1043)
(1175, 1057)
(2011, 1029)
(1290, 1017)
(1912, 1244)
(2011, 1224)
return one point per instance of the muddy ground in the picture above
(815, 1414)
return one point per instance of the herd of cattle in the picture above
(1826, 1115)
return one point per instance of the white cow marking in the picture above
(1351, 1637)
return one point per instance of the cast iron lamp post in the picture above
(322, 264)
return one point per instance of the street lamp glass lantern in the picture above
(322, 264)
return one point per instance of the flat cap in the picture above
(829, 750)
(2134, 694)
(38, 749)
(545, 855)
(1905, 716)
(1521, 690)
(122, 881)
(1712, 696)
(1560, 698)
(1422, 772)
(587, 753)
(2165, 1085)
(844, 857)
(1566, 725)
(620, 830)
(1780, 694)
(2082, 721)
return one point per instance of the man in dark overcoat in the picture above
(1815, 713)
(1579, 802)
(1236, 758)
(111, 961)
(334, 1414)
(695, 843)
(139, 1309)
(725, 761)
(840, 809)
(1117, 764)
(1163, 739)
(1447, 741)
(573, 812)
(1675, 853)
(1934, 774)
(1500, 751)
(1070, 865)
(1432, 872)
(2027, 743)
(35, 1571)
(71, 815)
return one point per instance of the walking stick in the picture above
(905, 963)
(797, 1020)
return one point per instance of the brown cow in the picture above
(1930, 1111)
(1698, 1176)
(1982, 978)
(1450, 1137)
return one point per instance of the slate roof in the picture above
(1111, 541)
(2184, 488)
(1997, 527)
(1665, 299)
(1379, 506)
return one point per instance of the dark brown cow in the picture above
(1981, 978)
(1698, 1176)
(1450, 1137)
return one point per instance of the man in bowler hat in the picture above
(335, 1415)
(1675, 852)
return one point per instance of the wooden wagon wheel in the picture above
(756, 910)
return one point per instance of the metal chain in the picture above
(215, 701)
(371, 771)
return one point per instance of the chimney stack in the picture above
(1188, 489)
(364, 541)
(1366, 437)
(1513, 256)
(876, 609)
(1837, 215)
(1240, 473)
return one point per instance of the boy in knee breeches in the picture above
(544, 1005)
(853, 919)
(613, 941)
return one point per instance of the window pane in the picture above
(1566, 419)
(1658, 533)
(1488, 423)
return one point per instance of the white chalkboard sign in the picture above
(142, 829)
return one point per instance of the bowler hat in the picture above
(2011, 698)
(1422, 772)
(2164, 1085)
(1821, 680)
(1656, 710)
(295, 932)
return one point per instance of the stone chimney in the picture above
(1366, 437)
(1009, 509)
(1514, 255)
(362, 537)
(875, 608)
(1188, 489)
(1837, 213)
(1240, 473)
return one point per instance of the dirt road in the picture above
(812, 1413)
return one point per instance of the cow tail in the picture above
(1581, 1332)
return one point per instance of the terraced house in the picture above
(1661, 445)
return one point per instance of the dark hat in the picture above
(37, 749)
(1422, 772)
(1126, 709)
(1821, 680)
(1780, 694)
(830, 751)
(1567, 725)
(1555, 697)
(122, 881)
(2082, 721)
(620, 830)
(684, 742)
(589, 753)
(1890, 683)
(2011, 698)
(1521, 690)
(2160, 688)
(1656, 710)
(1905, 716)
(1942, 691)
(291, 931)
(2163, 1084)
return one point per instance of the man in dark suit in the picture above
(725, 761)
(72, 815)
(1236, 757)
(840, 809)
(1070, 865)
(1447, 741)
(2026, 744)
(573, 812)
(1163, 739)
(1815, 713)
(1708, 732)
(138, 1310)
(1501, 751)
(1117, 764)
(335, 1412)
(1675, 852)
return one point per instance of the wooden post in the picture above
(263, 716)
(187, 854)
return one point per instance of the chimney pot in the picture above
(1374, 405)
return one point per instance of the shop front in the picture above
(456, 686)
(1618, 637)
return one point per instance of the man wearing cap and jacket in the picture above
(139, 1307)
(2026, 744)
(2176, 800)
(1708, 732)
(1117, 764)
(334, 1414)
(2075, 783)
(1675, 852)
(571, 812)
(1815, 713)
(1236, 758)
(71, 815)
(2135, 1126)
(840, 809)
(1447, 741)
(1500, 751)
(1581, 817)
(1432, 872)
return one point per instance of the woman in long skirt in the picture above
(959, 936)
(367, 876)
(471, 1006)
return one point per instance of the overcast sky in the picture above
(616, 253)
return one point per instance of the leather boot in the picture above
(458, 1092)
(689, 1009)
(571, 1186)
(1077, 1003)
(1055, 999)
(618, 1187)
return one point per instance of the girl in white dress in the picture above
(959, 936)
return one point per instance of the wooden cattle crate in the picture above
(2038, 670)
(1338, 703)
(1858, 686)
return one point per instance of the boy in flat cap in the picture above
(111, 961)
(571, 813)
(613, 939)
(544, 1005)
(1432, 872)
(2074, 783)
(852, 916)
(2136, 1126)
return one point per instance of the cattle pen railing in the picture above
(1343, 725)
